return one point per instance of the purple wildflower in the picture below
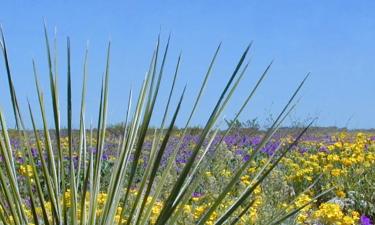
(246, 158)
(197, 195)
(365, 220)
(34, 152)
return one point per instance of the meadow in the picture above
(138, 174)
(322, 160)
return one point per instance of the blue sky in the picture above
(334, 40)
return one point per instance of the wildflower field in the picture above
(343, 161)
(53, 173)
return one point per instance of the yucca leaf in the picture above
(36, 177)
(221, 109)
(239, 172)
(30, 180)
(60, 172)
(208, 73)
(9, 154)
(10, 174)
(126, 147)
(82, 128)
(168, 207)
(174, 154)
(134, 130)
(243, 106)
(101, 136)
(96, 161)
(6, 151)
(87, 185)
(9, 199)
(153, 72)
(45, 170)
(73, 190)
(32, 201)
(109, 208)
(153, 155)
(160, 153)
(10, 80)
(144, 126)
(50, 174)
(2, 216)
(127, 143)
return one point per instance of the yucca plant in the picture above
(62, 182)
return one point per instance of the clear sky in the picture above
(334, 40)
